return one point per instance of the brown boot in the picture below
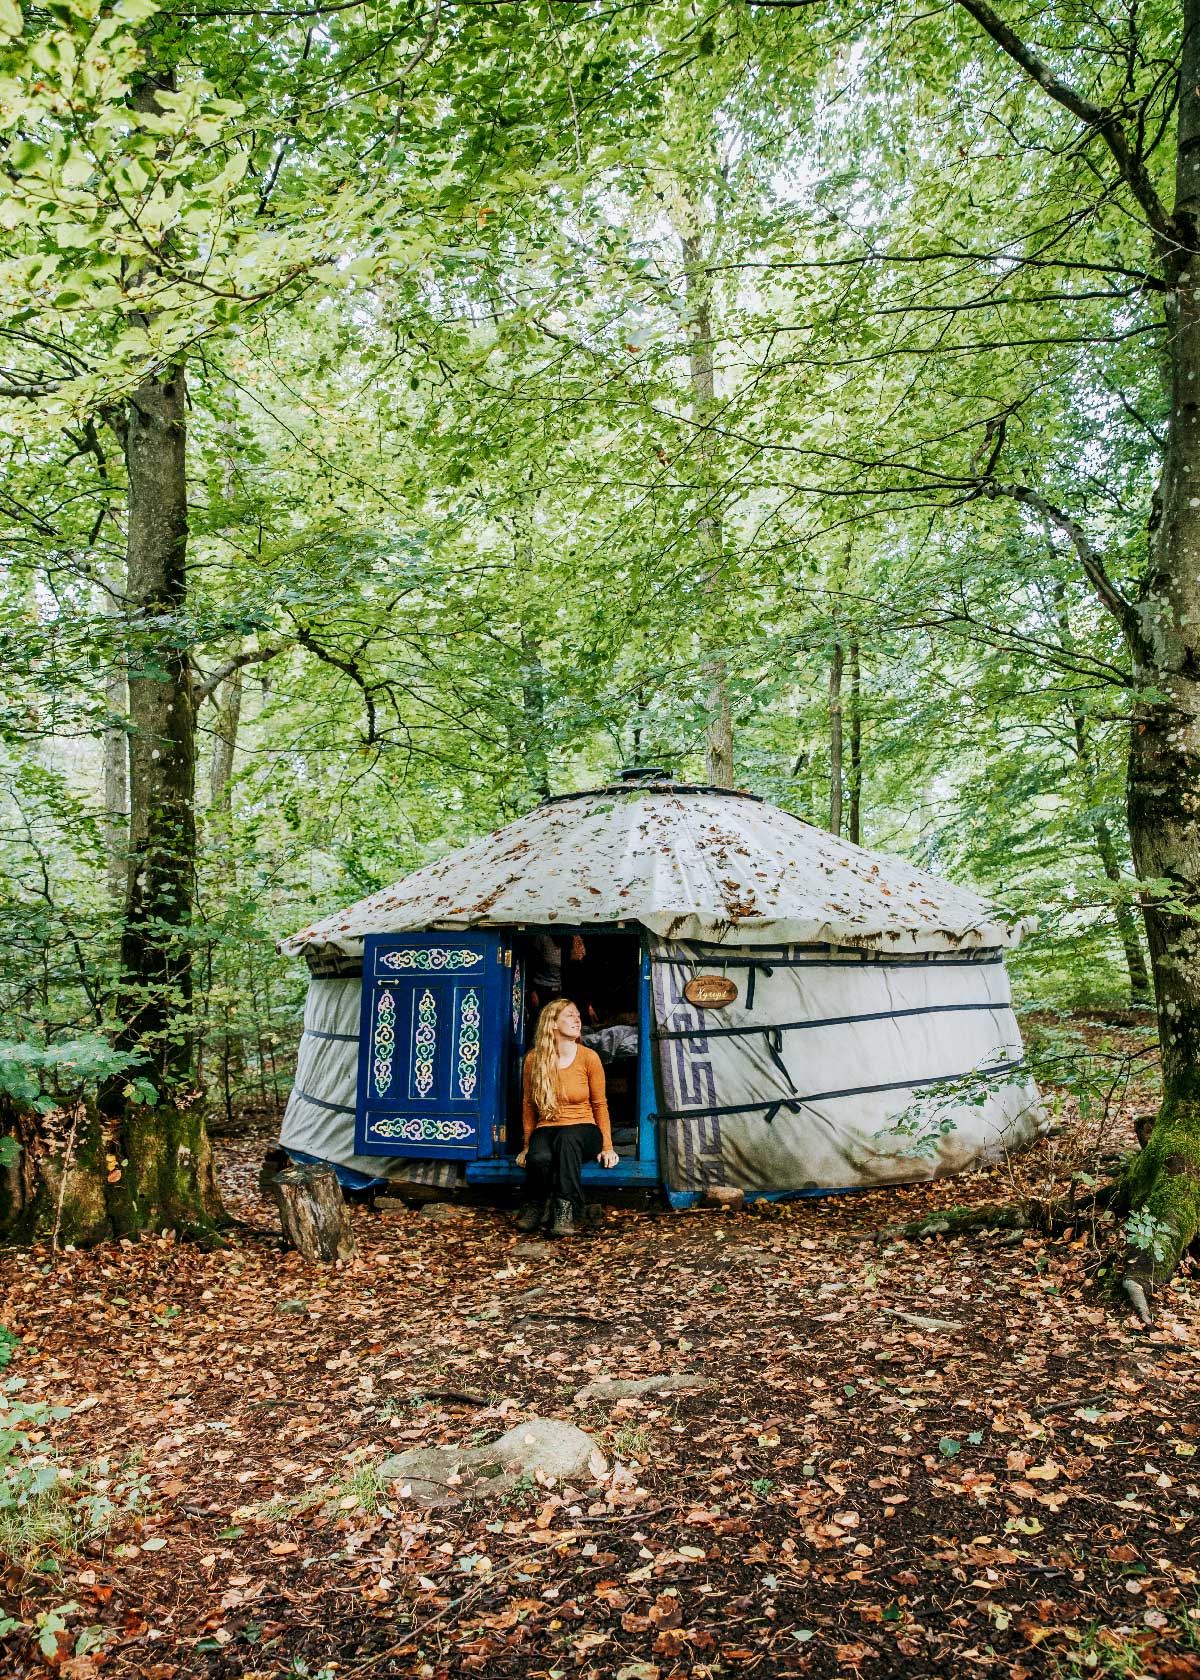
(531, 1217)
(563, 1222)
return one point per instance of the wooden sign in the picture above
(710, 991)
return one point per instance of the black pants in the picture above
(555, 1161)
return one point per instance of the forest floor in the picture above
(915, 1456)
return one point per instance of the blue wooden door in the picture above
(433, 1045)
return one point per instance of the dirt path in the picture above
(1011, 1485)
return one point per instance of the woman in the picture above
(565, 1114)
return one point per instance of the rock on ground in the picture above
(446, 1212)
(620, 1388)
(438, 1475)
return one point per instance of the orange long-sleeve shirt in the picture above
(581, 1096)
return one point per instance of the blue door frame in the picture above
(645, 1170)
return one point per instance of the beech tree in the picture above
(1158, 624)
(163, 199)
(1050, 268)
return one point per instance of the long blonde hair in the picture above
(543, 1084)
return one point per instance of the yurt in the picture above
(778, 1011)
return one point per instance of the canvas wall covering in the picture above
(836, 1068)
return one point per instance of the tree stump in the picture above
(312, 1212)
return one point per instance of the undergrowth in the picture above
(49, 1513)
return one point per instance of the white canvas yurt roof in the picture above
(693, 863)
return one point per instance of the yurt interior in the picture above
(600, 970)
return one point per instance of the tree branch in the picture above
(1129, 160)
(208, 686)
(349, 669)
(1089, 556)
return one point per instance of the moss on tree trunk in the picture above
(151, 1170)
(168, 1179)
(1163, 1181)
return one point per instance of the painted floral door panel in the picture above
(434, 1042)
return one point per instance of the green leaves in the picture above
(41, 1077)
(1149, 1234)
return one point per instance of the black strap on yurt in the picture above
(319, 1102)
(826, 1021)
(771, 1107)
(774, 1041)
(851, 959)
(340, 1038)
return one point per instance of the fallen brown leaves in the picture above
(862, 1492)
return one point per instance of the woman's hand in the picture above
(521, 1157)
(608, 1158)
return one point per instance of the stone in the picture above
(533, 1250)
(724, 1196)
(620, 1388)
(540, 1446)
(747, 1254)
(446, 1213)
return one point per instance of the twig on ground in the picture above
(467, 1395)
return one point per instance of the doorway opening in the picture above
(601, 974)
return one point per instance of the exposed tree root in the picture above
(1137, 1274)
(953, 1222)
(1137, 1297)
(1048, 1218)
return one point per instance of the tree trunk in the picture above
(222, 862)
(1127, 928)
(116, 759)
(156, 957)
(1106, 846)
(533, 711)
(855, 789)
(159, 1166)
(1110, 862)
(1164, 759)
(225, 733)
(533, 674)
(718, 756)
(151, 1168)
(835, 739)
(1106, 850)
(1162, 631)
(140, 1159)
(718, 746)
